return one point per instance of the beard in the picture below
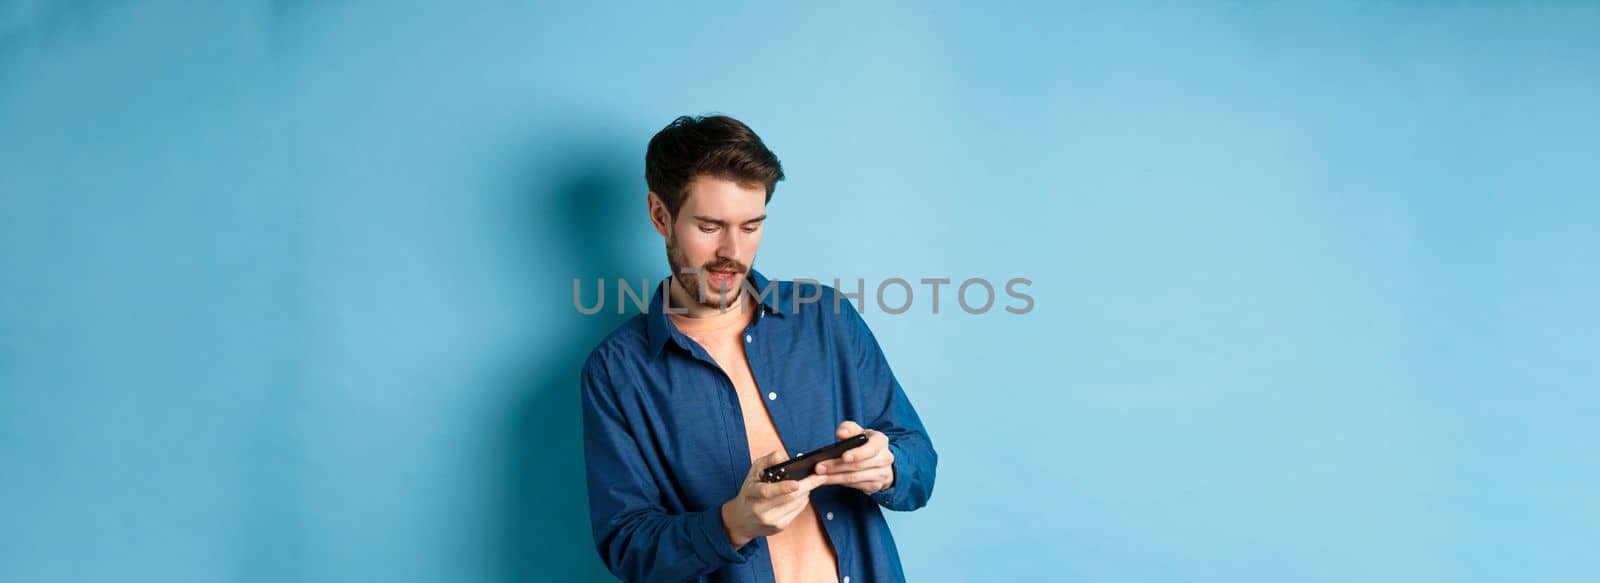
(694, 281)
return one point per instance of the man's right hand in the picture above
(763, 509)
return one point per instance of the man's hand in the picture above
(763, 509)
(869, 468)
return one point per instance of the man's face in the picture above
(712, 240)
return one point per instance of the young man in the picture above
(728, 373)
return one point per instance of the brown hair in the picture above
(717, 146)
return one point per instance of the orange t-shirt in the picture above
(801, 553)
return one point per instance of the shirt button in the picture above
(830, 516)
(746, 338)
(772, 396)
(846, 579)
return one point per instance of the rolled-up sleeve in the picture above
(915, 461)
(638, 540)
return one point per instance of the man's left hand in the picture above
(868, 468)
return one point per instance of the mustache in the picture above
(725, 265)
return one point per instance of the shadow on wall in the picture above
(578, 216)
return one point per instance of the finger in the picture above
(877, 444)
(776, 456)
(787, 509)
(805, 485)
(847, 429)
(790, 488)
(766, 460)
(882, 460)
(776, 489)
(874, 447)
(840, 466)
(864, 479)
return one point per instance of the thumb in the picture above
(847, 429)
(767, 460)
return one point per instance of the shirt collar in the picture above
(659, 328)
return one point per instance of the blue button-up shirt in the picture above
(665, 441)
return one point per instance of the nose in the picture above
(730, 246)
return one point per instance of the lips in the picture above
(722, 279)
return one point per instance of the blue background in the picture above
(285, 287)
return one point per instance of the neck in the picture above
(682, 302)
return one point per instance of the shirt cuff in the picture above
(714, 547)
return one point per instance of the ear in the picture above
(659, 217)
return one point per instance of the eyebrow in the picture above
(722, 223)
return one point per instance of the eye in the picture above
(752, 228)
(708, 228)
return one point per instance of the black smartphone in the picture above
(801, 465)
